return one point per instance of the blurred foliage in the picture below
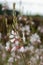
(0, 7)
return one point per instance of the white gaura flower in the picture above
(18, 57)
(20, 18)
(12, 32)
(40, 28)
(32, 22)
(17, 36)
(3, 56)
(41, 58)
(13, 54)
(7, 48)
(12, 40)
(16, 42)
(11, 36)
(8, 43)
(11, 60)
(37, 51)
(23, 36)
(13, 45)
(23, 29)
(35, 38)
(27, 28)
(21, 49)
(27, 32)
(15, 59)
(36, 56)
(26, 48)
(13, 49)
(15, 33)
(33, 59)
(31, 48)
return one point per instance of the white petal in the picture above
(12, 40)
(11, 36)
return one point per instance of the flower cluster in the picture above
(23, 47)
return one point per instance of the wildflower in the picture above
(11, 36)
(3, 56)
(41, 57)
(37, 56)
(12, 40)
(14, 49)
(31, 48)
(32, 22)
(37, 51)
(35, 38)
(18, 57)
(27, 33)
(33, 60)
(40, 28)
(12, 32)
(11, 60)
(8, 43)
(17, 43)
(13, 45)
(13, 54)
(23, 29)
(20, 18)
(17, 36)
(7, 48)
(27, 28)
(26, 48)
(21, 49)
(15, 59)
(23, 37)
